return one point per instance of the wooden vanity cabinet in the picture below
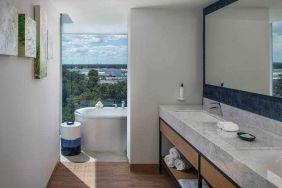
(215, 178)
(202, 167)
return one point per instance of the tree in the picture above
(80, 90)
(277, 86)
(93, 79)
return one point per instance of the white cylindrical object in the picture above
(174, 153)
(181, 92)
(169, 161)
(70, 132)
(181, 165)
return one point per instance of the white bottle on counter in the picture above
(181, 92)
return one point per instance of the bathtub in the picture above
(103, 129)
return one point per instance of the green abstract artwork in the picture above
(40, 62)
(8, 29)
(27, 36)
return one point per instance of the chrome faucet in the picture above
(115, 105)
(122, 104)
(216, 106)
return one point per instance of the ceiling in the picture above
(109, 12)
(116, 11)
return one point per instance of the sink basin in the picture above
(197, 116)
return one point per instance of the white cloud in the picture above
(277, 47)
(98, 48)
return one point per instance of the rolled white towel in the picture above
(182, 165)
(175, 154)
(169, 161)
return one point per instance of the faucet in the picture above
(122, 104)
(216, 106)
(115, 105)
(99, 104)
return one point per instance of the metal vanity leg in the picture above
(160, 152)
(199, 172)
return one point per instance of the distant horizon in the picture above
(114, 63)
(96, 64)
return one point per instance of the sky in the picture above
(94, 49)
(277, 41)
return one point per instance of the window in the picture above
(277, 58)
(94, 68)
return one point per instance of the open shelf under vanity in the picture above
(187, 174)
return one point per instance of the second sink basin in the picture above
(198, 116)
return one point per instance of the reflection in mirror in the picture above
(277, 56)
(244, 47)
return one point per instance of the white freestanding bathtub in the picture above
(103, 129)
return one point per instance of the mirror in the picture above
(243, 47)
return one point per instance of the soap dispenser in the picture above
(181, 93)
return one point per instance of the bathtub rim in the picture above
(79, 114)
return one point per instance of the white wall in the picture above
(238, 49)
(165, 47)
(29, 113)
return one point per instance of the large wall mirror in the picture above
(243, 47)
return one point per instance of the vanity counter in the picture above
(248, 164)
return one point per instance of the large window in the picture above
(94, 69)
(277, 58)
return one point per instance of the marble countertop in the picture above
(249, 164)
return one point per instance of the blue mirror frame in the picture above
(264, 105)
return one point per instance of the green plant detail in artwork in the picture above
(21, 37)
(37, 63)
(40, 62)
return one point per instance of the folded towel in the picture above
(175, 154)
(228, 126)
(169, 160)
(191, 183)
(181, 164)
(186, 183)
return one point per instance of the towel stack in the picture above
(173, 159)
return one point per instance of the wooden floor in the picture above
(106, 175)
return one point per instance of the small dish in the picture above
(246, 136)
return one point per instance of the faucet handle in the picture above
(216, 106)
(122, 104)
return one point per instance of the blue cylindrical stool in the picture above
(70, 139)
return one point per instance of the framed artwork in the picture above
(8, 29)
(27, 36)
(40, 62)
